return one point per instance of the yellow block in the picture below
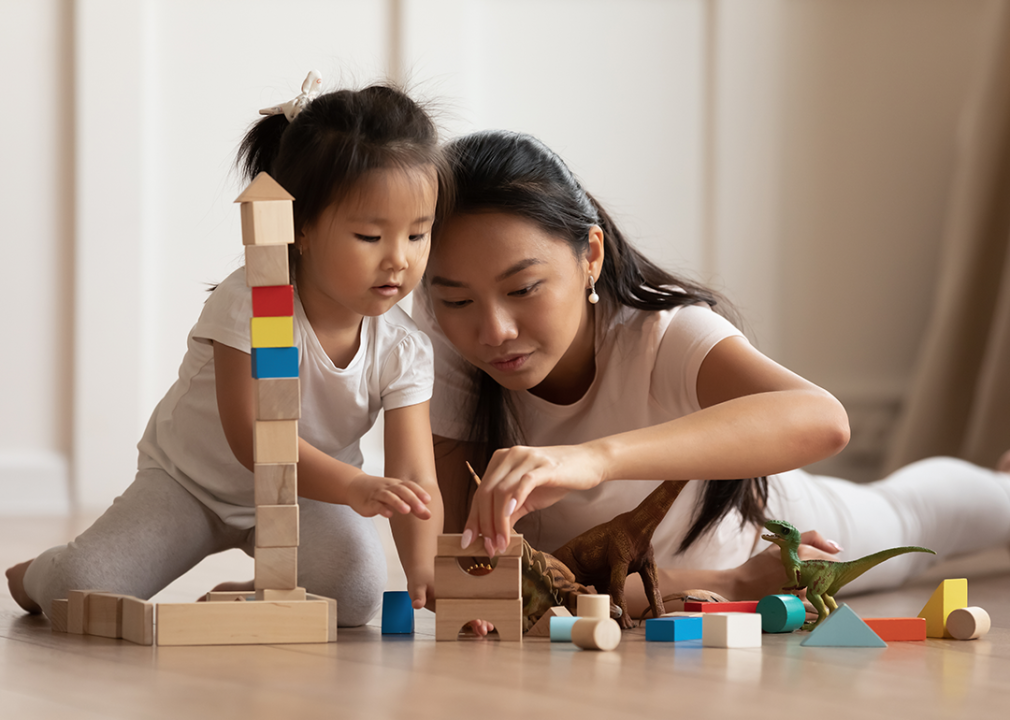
(272, 332)
(948, 596)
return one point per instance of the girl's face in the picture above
(368, 251)
(512, 299)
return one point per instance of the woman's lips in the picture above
(509, 362)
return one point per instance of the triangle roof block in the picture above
(263, 187)
(843, 628)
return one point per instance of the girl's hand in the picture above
(520, 480)
(764, 575)
(370, 495)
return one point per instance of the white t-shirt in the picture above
(646, 373)
(391, 369)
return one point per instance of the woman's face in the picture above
(513, 300)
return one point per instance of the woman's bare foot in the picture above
(1004, 463)
(246, 586)
(16, 585)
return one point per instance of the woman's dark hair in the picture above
(507, 172)
(338, 137)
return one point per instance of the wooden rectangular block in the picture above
(268, 222)
(506, 615)
(266, 265)
(104, 615)
(276, 483)
(58, 614)
(504, 582)
(449, 545)
(138, 621)
(898, 629)
(276, 568)
(275, 441)
(275, 362)
(272, 332)
(731, 630)
(77, 611)
(278, 398)
(332, 605)
(744, 606)
(294, 594)
(273, 301)
(276, 526)
(230, 596)
(243, 623)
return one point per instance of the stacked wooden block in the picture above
(494, 596)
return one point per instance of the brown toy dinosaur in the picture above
(605, 555)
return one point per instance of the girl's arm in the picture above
(757, 418)
(320, 477)
(409, 456)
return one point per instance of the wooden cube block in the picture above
(275, 441)
(278, 399)
(272, 332)
(104, 615)
(276, 483)
(398, 612)
(276, 568)
(332, 605)
(268, 222)
(266, 265)
(272, 595)
(276, 526)
(449, 545)
(243, 623)
(58, 614)
(273, 301)
(504, 582)
(138, 621)
(452, 614)
(274, 362)
(731, 630)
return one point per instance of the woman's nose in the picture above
(496, 327)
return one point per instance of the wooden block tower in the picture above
(495, 596)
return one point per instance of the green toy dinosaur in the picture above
(822, 578)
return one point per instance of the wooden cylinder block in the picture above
(593, 606)
(969, 623)
(593, 634)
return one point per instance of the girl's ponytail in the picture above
(261, 144)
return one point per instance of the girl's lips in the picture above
(509, 362)
(387, 290)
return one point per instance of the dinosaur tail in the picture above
(855, 568)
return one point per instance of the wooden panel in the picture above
(276, 568)
(506, 615)
(266, 265)
(243, 623)
(138, 621)
(104, 615)
(58, 614)
(332, 604)
(77, 611)
(504, 582)
(449, 546)
(278, 398)
(276, 484)
(275, 595)
(275, 441)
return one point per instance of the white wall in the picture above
(786, 151)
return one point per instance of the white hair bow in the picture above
(310, 88)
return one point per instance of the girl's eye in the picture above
(415, 238)
(368, 238)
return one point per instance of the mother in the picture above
(575, 375)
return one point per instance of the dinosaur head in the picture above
(782, 533)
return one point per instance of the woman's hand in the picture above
(764, 575)
(520, 480)
(370, 495)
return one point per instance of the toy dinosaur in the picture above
(822, 578)
(605, 555)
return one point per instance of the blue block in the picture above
(397, 613)
(843, 628)
(561, 628)
(673, 629)
(781, 613)
(279, 362)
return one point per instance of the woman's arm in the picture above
(409, 456)
(757, 418)
(320, 477)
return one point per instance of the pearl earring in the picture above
(593, 297)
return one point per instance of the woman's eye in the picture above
(455, 303)
(526, 290)
(367, 238)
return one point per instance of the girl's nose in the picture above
(496, 327)
(396, 255)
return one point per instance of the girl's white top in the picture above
(646, 373)
(392, 368)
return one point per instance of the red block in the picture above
(273, 301)
(898, 629)
(746, 606)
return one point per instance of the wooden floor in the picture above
(366, 675)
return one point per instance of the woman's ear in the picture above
(594, 255)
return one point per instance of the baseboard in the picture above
(34, 483)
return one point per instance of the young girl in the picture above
(566, 362)
(363, 168)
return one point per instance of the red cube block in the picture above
(273, 301)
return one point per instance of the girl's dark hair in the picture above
(338, 137)
(514, 173)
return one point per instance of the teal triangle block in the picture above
(843, 628)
